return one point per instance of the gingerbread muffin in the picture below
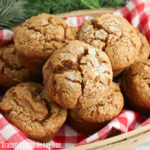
(144, 49)
(12, 71)
(37, 38)
(91, 119)
(28, 108)
(136, 86)
(74, 31)
(115, 36)
(77, 75)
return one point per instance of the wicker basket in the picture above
(120, 142)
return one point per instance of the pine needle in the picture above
(11, 13)
(91, 3)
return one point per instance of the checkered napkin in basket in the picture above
(137, 12)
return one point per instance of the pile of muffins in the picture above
(77, 68)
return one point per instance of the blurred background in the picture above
(13, 12)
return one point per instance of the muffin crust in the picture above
(115, 36)
(91, 119)
(37, 38)
(12, 71)
(27, 107)
(77, 75)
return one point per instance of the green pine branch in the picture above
(35, 7)
(11, 13)
(60, 6)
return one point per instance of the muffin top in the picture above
(115, 36)
(27, 106)
(11, 69)
(41, 35)
(77, 75)
(136, 83)
(107, 108)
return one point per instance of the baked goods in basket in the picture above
(77, 75)
(28, 108)
(115, 36)
(12, 71)
(37, 38)
(91, 119)
(136, 86)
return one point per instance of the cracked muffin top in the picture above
(136, 84)
(37, 38)
(115, 36)
(77, 75)
(12, 71)
(28, 107)
(107, 108)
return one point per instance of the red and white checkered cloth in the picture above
(137, 12)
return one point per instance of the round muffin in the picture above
(12, 71)
(91, 119)
(115, 36)
(28, 108)
(37, 38)
(77, 75)
(144, 49)
(136, 86)
(74, 31)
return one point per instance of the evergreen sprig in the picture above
(60, 6)
(35, 7)
(11, 13)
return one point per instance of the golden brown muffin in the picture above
(37, 38)
(74, 31)
(28, 108)
(12, 71)
(91, 119)
(77, 75)
(144, 49)
(115, 36)
(136, 86)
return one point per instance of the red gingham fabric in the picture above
(6, 36)
(137, 12)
